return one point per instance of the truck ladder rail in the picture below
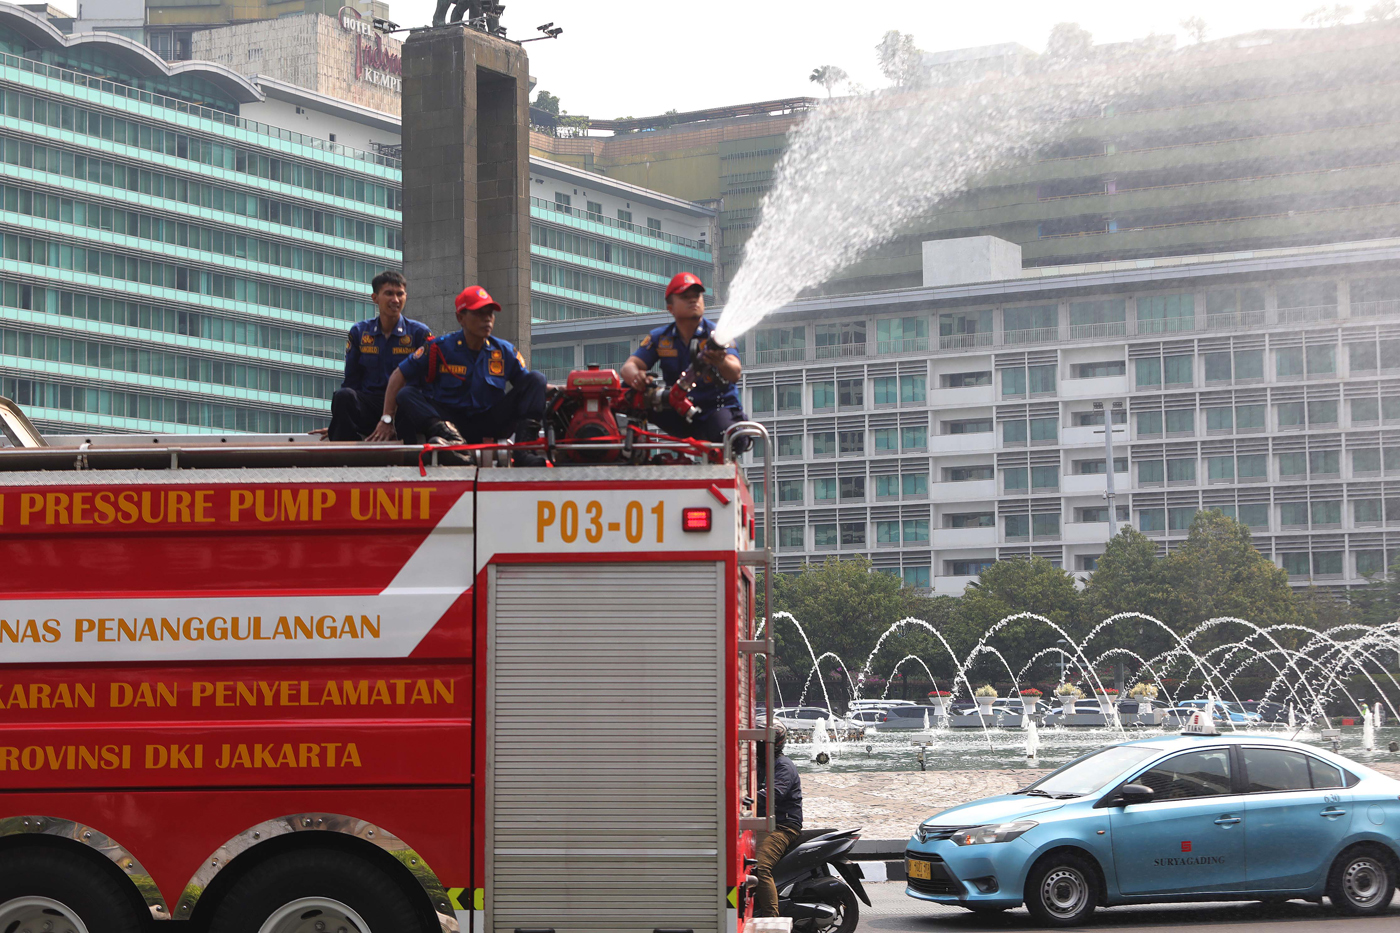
(753, 649)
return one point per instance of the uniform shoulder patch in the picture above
(418, 354)
(520, 359)
(646, 341)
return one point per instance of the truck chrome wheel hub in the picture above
(1064, 892)
(39, 915)
(314, 915)
(1362, 882)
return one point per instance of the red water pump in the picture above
(585, 410)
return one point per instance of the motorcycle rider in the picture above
(787, 812)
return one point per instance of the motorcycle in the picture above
(808, 892)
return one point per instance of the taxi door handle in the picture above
(1227, 821)
(1332, 813)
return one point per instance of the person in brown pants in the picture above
(787, 812)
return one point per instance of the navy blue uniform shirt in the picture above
(371, 357)
(665, 344)
(462, 378)
(787, 793)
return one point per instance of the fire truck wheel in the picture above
(52, 890)
(315, 890)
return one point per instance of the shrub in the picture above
(1069, 690)
(986, 690)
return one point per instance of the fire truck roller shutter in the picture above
(605, 748)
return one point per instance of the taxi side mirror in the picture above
(1134, 793)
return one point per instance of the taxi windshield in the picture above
(1091, 773)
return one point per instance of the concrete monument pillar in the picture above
(466, 176)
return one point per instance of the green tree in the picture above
(547, 102)
(828, 76)
(844, 607)
(900, 60)
(1069, 42)
(1195, 28)
(1130, 577)
(1219, 572)
(1006, 588)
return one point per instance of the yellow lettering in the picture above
(238, 501)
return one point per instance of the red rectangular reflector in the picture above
(695, 519)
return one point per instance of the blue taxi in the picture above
(1191, 817)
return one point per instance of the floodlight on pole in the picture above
(1110, 493)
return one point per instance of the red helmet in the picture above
(684, 281)
(474, 298)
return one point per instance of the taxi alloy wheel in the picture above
(1362, 882)
(1061, 891)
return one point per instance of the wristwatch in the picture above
(387, 419)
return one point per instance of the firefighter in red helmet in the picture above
(675, 346)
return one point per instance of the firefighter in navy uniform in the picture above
(467, 386)
(675, 346)
(373, 351)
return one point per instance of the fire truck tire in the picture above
(42, 885)
(287, 892)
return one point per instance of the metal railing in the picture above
(785, 355)
(1095, 331)
(1307, 315)
(196, 110)
(1014, 338)
(834, 351)
(1165, 325)
(1375, 308)
(911, 345)
(618, 224)
(1226, 320)
(960, 341)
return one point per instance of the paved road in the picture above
(895, 911)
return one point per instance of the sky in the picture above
(643, 57)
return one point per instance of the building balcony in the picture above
(962, 492)
(1098, 387)
(950, 586)
(1307, 315)
(1362, 309)
(1088, 435)
(961, 341)
(1098, 331)
(785, 355)
(840, 350)
(964, 537)
(1232, 320)
(1167, 325)
(967, 397)
(964, 443)
(1017, 338)
(912, 345)
(1088, 532)
(1080, 484)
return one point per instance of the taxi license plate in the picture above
(920, 870)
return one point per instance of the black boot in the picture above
(445, 434)
(526, 432)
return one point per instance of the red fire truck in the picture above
(270, 685)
